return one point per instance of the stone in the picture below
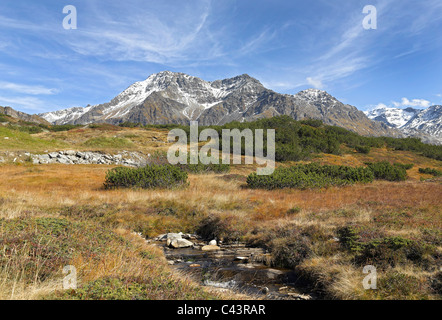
(195, 265)
(173, 236)
(299, 296)
(213, 243)
(70, 153)
(179, 243)
(243, 259)
(210, 248)
(63, 160)
(161, 237)
(273, 273)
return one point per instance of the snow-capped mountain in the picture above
(169, 97)
(394, 117)
(423, 123)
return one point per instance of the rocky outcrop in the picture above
(23, 116)
(125, 158)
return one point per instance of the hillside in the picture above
(20, 116)
(52, 205)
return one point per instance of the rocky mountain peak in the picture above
(172, 97)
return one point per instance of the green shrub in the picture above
(349, 238)
(386, 171)
(111, 288)
(31, 129)
(397, 285)
(310, 175)
(129, 125)
(431, 171)
(160, 157)
(386, 251)
(299, 140)
(205, 168)
(363, 149)
(406, 166)
(4, 118)
(63, 127)
(153, 176)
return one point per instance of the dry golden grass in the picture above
(55, 190)
(31, 190)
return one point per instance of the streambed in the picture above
(238, 268)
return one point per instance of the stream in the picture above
(238, 268)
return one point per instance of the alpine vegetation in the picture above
(311, 175)
(209, 153)
(153, 176)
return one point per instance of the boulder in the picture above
(70, 153)
(179, 243)
(210, 248)
(195, 265)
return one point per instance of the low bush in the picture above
(310, 175)
(406, 166)
(398, 286)
(64, 127)
(431, 171)
(386, 171)
(160, 157)
(363, 149)
(31, 129)
(153, 176)
(386, 251)
(205, 168)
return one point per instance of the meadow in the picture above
(55, 215)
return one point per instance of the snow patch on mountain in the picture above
(196, 94)
(394, 117)
(410, 121)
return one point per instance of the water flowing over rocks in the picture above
(230, 267)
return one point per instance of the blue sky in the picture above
(288, 45)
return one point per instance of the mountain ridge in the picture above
(423, 123)
(171, 97)
(22, 115)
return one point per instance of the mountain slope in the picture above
(425, 124)
(22, 116)
(168, 97)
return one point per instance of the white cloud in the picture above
(420, 103)
(405, 102)
(27, 89)
(380, 106)
(27, 104)
(317, 84)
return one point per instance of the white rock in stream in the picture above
(179, 243)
